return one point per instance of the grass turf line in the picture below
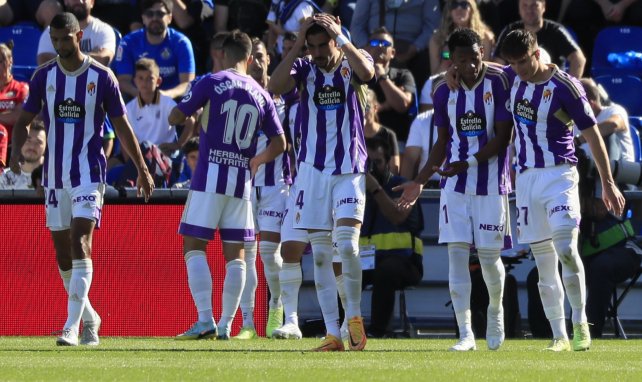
(158, 359)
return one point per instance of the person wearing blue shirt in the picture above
(171, 50)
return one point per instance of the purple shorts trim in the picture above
(203, 233)
(232, 234)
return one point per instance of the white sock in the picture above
(81, 275)
(251, 281)
(348, 248)
(324, 280)
(565, 242)
(88, 314)
(342, 292)
(272, 263)
(460, 285)
(199, 279)
(290, 278)
(550, 286)
(494, 275)
(232, 290)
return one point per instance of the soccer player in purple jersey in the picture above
(269, 193)
(546, 102)
(74, 93)
(474, 129)
(330, 182)
(235, 109)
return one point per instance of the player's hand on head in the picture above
(329, 23)
(452, 78)
(453, 169)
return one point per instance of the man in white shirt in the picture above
(611, 119)
(33, 152)
(98, 40)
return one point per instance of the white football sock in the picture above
(199, 279)
(494, 275)
(324, 280)
(290, 278)
(348, 247)
(342, 292)
(459, 285)
(232, 290)
(565, 242)
(251, 281)
(550, 286)
(88, 314)
(81, 276)
(272, 263)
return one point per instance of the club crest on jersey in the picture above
(345, 72)
(329, 98)
(488, 98)
(166, 54)
(471, 124)
(69, 111)
(547, 95)
(525, 112)
(91, 88)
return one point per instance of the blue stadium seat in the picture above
(25, 38)
(624, 90)
(635, 124)
(618, 39)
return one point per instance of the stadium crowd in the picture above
(339, 80)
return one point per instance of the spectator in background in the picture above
(411, 23)
(611, 119)
(98, 38)
(286, 16)
(120, 14)
(395, 235)
(33, 154)
(425, 100)
(395, 88)
(421, 139)
(248, 16)
(39, 11)
(551, 36)
(12, 92)
(4, 145)
(171, 50)
(148, 112)
(588, 17)
(190, 159)
(374, 130)
(457, 14)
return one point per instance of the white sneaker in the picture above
(344, 330)
(495, 329)
(89, 334)
(464, 344)
(69, 337)
(288, 331)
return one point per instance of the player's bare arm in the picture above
(611, 195)
(20, 133)
(144, 183)
(412, 189)
(499, 143)
(275, 148)
(363, 68)
(281, 81)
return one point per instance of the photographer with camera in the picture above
(389, 233)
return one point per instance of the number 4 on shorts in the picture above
(299, 200)
(51, 200)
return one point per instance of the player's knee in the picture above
(565, 242)
(347, 241)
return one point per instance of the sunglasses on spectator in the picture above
(151, 14)
(380, 43)
(459, 4)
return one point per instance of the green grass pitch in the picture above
(161, 359)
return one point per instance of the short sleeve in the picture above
(44, 44)
(34, 101)
(271, 122)
(113, 100)
(185, 52)
(426, 93)
(440, 99)
(124, 59)
(574, 101)
(197, 97)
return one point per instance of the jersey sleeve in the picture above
(271, 122)
(185, 52)
(124, 58)
(501, 93)
(36, 96)
(104, 38)
(574, 101)
(197, 97)
(44, 44)
(113, 99)
(440, 99)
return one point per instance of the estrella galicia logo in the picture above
(471, 124)
(329, 98)
(525, 112)
(69, 111)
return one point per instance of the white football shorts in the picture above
(64, 204)
(268, 205)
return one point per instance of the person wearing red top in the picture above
(12, 92)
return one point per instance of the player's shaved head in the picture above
(65, 20)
